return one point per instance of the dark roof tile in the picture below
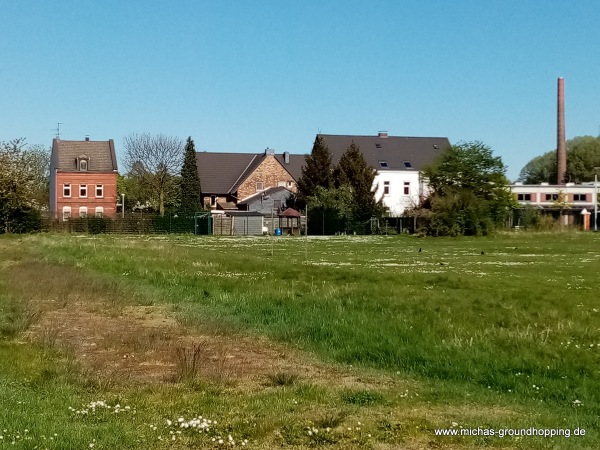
(219, 171)
(101, 155)
(395, 150)
(222, 173)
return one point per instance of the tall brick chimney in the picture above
(561, 146)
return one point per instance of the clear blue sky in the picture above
(243, 75)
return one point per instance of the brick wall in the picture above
(108, 201)
(270, 173)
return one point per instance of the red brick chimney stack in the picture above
(561, 146)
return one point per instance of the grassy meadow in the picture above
(329, 342)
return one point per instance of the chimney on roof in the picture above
(87, 138)
(286, 157)
(383, 134)
(561, 146)
(269, 151)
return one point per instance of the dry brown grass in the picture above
(115, 339)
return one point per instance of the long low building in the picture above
(570, 199)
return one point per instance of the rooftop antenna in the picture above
(57, 129)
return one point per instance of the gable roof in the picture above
(394, 150)
(100, 154)
(222, 173)
(295, 164)
(280, 190)
(219, 171)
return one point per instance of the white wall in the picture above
(397, 201)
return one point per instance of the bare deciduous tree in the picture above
(154, 160)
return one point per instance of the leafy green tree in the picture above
(583, 154)
(541, 169)
(23, 185)
(191, 189)
(317, 171)
(330, 210)
(38, 162)
(468, 191)
(353, 171)
(153, 162)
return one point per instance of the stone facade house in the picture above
(229, 178)
(83, 179)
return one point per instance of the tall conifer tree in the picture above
(191, 189)
(353, 171)
(317, 171)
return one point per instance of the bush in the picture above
(459, 213)
(22, 220)
(546, 222)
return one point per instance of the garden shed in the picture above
(246, 223)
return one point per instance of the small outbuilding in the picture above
(290, 221)
(246, 223)
(270, 201)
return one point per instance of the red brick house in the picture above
(229, 178)
(83, 179)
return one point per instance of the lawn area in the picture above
(335, 342)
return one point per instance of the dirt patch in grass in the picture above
(95, 321)
(147, 344)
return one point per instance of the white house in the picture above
(398, 162)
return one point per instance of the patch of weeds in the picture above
(187, 361)
(321, 437)
(390, 432)
(331, 419)
(15, 317)
(363, 398)
(292, 434)
(283, 379)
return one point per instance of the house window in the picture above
(83, 165)
(259, 186)
(281, 183)
(66, 190)
(551, 197)
(83, 212)
(580, 197)
(66, 212)
(82, 190)
(407, 164)
(383, 164)
(524, 197)
(213, 200)
(99, 191)
(290, 184)
(406, 187)
(99, 211)
(386, 188)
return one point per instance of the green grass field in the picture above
(340, 342)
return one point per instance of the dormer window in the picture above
(82, 163)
